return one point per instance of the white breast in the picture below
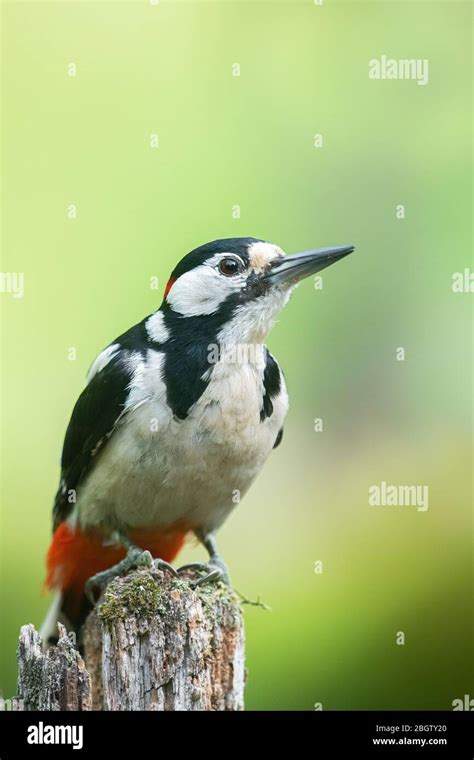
(156, 470)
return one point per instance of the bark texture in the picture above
(153, 642)
(53, 680)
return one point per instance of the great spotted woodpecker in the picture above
(179, 413)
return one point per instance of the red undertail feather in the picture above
(74, 555)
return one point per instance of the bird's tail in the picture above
(49, 626)
(75, 555)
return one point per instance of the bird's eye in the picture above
(229, 267)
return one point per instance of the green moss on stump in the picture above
(139, 596)
(211, 593)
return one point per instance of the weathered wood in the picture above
(53, 680)
(153, 642)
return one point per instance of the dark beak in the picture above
(292, 269)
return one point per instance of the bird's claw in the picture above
(160, 564)
(91, 585)
(215, 570)
(134, 558)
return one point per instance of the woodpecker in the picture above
(179, 413)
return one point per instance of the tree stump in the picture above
(52, 680)
(152, 642)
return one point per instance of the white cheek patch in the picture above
(202, 290)
(155, 327)
(262, 254)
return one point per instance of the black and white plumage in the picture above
(153, 395)
(181, 411)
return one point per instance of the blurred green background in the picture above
(248, 140)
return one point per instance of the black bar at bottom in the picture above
(149, 735)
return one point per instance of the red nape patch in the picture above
(73, 555)
(169, 285)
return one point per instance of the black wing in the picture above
(278, 438)
(94, 418)
(98, 411)
(271, 385)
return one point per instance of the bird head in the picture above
(241, 284)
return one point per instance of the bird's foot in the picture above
(160, 564)
(215, 570)
(135, 558)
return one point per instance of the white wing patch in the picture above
(102, 360)
(155, 327)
